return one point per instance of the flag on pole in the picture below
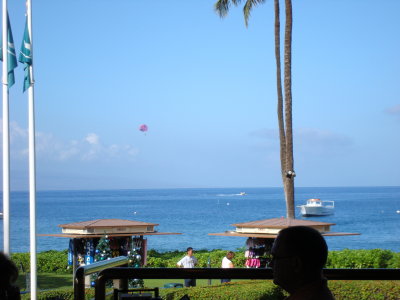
(11, 57)
(25, 56)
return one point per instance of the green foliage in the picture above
(61, 294)
(52, 261)
(262, 289)
(56, 261)
(358, 259)
(47, 262)
(255, 290)
(22, 261)
(395, 261)
(169, 259)
(365, 290)
(249, 290)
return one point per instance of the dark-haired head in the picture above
(8, 273)
(306, 243)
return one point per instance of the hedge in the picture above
(169, 259)
(256, 290)
(51, 261)
(365, 290)
(61, 294)
(359, 259)
(56, 261)
(249, 290)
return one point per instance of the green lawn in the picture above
(47, 281)
(54, 281)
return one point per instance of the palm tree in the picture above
(284, 120)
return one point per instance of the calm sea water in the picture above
(370, 211)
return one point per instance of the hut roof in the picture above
(90, 236)
(101, 223)
(273, 236)
(280, 223)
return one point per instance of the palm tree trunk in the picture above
(282, 139)
(288, 113)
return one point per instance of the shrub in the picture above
(358, 259)
(169, 259)
(365, 290)
(47, 262)
(249, 290)
(395, 261)
(56, 261)
(61, 294)
(255, 290)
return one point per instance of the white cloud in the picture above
(50, 147)
(92, 138)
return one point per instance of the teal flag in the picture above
(25, 56)
(11, 57)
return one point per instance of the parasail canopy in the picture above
(143, 128)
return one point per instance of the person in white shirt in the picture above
(189, 261)
(227, 263)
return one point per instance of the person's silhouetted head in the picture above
(298, 255)
(8, 276)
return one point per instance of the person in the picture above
(298, 255)
(227, 263)
(189, 261)
(8, 276)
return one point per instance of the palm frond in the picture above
(222, 7)
(248, 7)
(236, 2)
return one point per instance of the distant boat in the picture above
(242, 194)
(317, 207)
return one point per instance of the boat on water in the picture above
(317, 207)
(242, 194)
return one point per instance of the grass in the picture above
(48, 281)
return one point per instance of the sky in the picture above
(206, 88)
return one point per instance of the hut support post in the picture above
(74, 258)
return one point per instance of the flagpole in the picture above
(32, 163)
(6, 138)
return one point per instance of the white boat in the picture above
(242, 194)
(317, 207)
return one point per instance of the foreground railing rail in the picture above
(81, 272)
(235, 273)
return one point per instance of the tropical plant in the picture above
(284, 119)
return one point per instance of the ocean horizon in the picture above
(195, 212)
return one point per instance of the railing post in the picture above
(79, 284)
(100, 290)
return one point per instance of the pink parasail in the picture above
(143, 128)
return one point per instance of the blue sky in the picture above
(205, 86)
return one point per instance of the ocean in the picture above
(370, 211)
